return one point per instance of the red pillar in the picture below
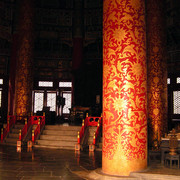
(24, 77)
(77, 53)
(157, 72)
(124, 87)
(12, 75)
(77, 61)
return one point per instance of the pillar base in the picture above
(91, 147)
(29, 144)
(19, 143)
(77, 147)
(98, 174)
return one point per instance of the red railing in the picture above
(40, 124)
(81, 133)
(93, 121)
(11, 120)
(25, 129)
(89, 121)
(96, 135)
(35, 119)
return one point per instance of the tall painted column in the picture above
(24, 76)
(157, 72)
(12, 75)
(77, 60)
(124, 87)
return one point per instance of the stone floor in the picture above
(52, 164)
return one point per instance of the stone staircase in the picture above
(92, 130)
(58, 137)
(99, 145)
(13, 136)
(90, 140)
(54, 136)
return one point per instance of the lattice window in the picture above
(38, 101)
(168, 81)
(178, 80)
(65, 84)
(176, 102)
(68, 98)
(45, 84)
(51, 101)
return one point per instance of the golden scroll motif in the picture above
(24, 79)
(124, 79)
(157, 72)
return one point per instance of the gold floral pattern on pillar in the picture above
(157, 72)
(124, 85)
(24, 79)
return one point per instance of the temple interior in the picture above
(90, 89)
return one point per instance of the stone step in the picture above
(93, 128)
(58, 137)
(90, 141)
(9, 144)
(63, 128)
(91, 133)
(91, 136)
(13, 135)
(15, 131)
(59, 132)
(18, 126)
(11, 140)
(100, 145)
(56, 143)
(54, 147)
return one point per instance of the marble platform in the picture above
(52, 164)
